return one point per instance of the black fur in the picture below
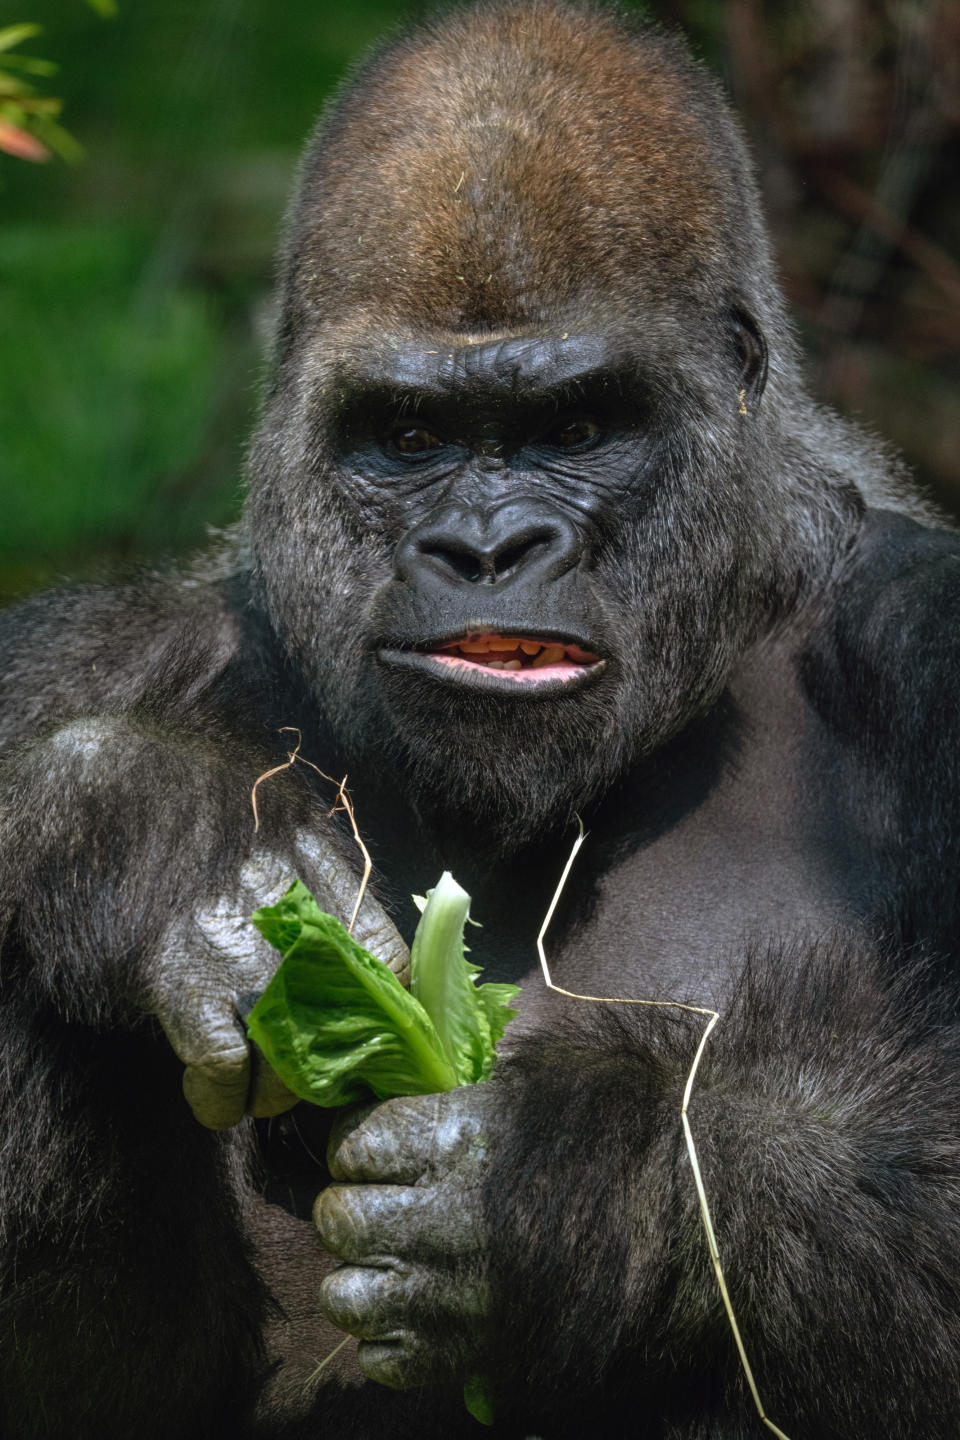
(825, 1115)
(527, 214)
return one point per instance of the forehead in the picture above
(511, 162)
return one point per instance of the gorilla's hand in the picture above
(215, 965)
(155, 916)
(406, 1222)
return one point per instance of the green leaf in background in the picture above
(12, 35)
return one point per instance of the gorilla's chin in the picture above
(505, 772)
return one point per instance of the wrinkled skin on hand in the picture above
(215, 967)
(405, 1218)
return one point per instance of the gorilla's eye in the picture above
(573, 434)
(415, 440)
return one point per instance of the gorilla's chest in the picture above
(764, 833)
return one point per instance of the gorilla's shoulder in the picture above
(901, 587)
(890, 647)
(109, 648)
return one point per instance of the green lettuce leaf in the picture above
(469, 1018)
(478, 1398)
(336, 1025)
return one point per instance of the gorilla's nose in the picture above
(466, 545)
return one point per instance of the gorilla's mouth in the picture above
(507, 661)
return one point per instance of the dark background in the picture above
(134, 286)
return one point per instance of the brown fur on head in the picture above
(516, 164)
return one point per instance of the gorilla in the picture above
(541, 524)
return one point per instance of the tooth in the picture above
(530, 647)
(552, 655)
(496, 665)
(475, 647)
(503, 642)
(511, 665)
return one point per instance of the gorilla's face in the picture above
(517, 505)
(510, 566)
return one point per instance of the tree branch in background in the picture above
(29, 127)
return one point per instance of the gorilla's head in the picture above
(536, 465)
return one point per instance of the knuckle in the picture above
(222, 1069)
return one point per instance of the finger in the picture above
(401, 1363)
(365, 1223)
(404, 1140)
(365, 1301)
(216, 1088)
(268, 1095)
(377, 1305)
(375, 1224)
(374, 930)
(389, 1143)
(370, 1304)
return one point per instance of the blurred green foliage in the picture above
(107, 404)
(28, 123)
(134, 286)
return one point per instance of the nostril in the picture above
(514, 556)
(468, 546)
(484, 564)
(464, 563)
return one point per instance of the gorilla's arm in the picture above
(129, 868)
(825, 1120)
(92, 650)
(129, 1304)
(121, 1216)
(558, 1203)
(130, 735)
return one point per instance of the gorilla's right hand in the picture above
(129, 870)
(216, 965)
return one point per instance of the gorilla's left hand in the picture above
(407, 1223)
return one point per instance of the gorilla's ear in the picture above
(751, 350)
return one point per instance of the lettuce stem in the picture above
(436, 957)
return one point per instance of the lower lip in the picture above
(456, 669)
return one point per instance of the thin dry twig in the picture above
(342, 802)
(310, 1383)
(712, 1021)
